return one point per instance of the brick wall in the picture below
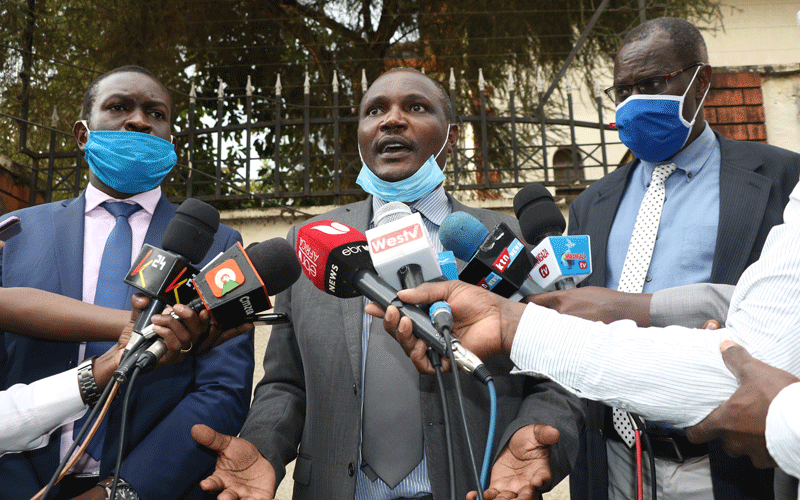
(734, 106)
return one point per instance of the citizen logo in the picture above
(248, 307)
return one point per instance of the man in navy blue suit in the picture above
(125, 134)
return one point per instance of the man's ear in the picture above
(81, 134)
(452, 138)
(703, 81)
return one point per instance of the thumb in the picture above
(139, 301)
(546, 435)
(736, 358)
(210, 438)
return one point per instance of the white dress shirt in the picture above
(674, 374)
(29, 413)
(783, 429)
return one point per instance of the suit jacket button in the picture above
(355, 389)
(351, 469)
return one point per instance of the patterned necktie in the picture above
(111, 291)
(392, 426)
(637, 262)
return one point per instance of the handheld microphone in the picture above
(231, 287)
(164, 274)
(561, 261)
(400, 247)
(335, 257)
(496, 260)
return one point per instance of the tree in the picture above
(203, 43)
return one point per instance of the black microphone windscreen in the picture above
(191, 232)
(274, 260)
(538, 214)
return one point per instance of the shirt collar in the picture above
(147, 200)
(434, 206)
(692, 158)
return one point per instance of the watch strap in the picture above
(86, 382)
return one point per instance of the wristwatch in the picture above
(86, 382)
(124, 490)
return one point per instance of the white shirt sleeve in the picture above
(30, 413)
(674, 374)
(783, 429)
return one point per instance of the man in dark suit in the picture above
(125, 134)
(721, 201)
(311, 393)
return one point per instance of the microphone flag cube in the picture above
(230, 287)
(558, 257)
(164, 275)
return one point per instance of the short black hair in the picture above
(91, 92)
(687, 42)
(443, 96)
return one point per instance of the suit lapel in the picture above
(352, 312)
(68, 242)
(599, 217)
(743, 196)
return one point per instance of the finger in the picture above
(374, 309)
(192, 321)
(736, 359)
(138, 302)
(419, 356)
(711, 324)
(212, 483)
(547, 435)
(707, 429)
(428, 293)
(208, 437)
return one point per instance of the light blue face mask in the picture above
(128, 162)
(416, 187)
(653, 127)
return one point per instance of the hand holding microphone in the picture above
(335, 257)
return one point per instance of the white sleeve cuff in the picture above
(783, 429)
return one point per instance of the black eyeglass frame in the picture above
(611, 91)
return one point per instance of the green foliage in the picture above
(203, 43)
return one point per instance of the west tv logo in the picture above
(396, 238)
(224, 278)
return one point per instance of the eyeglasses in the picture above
(651, 85)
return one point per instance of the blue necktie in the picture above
(111, 291)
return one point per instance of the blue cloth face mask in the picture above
(129, 162)
(416, 187)
(652, 126)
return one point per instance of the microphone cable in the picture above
(445, 327)
(487, 454)
(436, 361)
(102, 406)
(650, 458)
(122, 425)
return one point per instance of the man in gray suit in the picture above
(722, 198)
(311, 393)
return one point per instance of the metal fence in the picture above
(255, 147)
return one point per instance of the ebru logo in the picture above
(224, 278)
(307, 257)
(396, 238)
(334, 229)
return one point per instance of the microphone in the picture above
(335, 257)
(561, 261)
(231, 288)
(164, 274)
(400, 247)
(496, 260)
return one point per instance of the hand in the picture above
(522, 469)
(741, 420)
(241, 472)
(485, 322)
(598, 304)
(96, 493)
